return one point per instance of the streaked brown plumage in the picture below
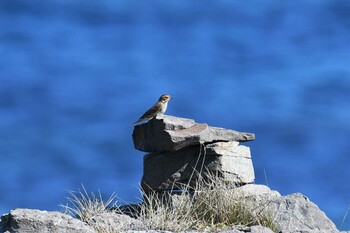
(157, 109)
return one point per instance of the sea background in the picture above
(75, 75)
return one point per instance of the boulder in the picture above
(27, 220)
(168, 133)
(296, 213)
(171, 170)
(291, 213)
(113, 222)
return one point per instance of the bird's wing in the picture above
(155, 109)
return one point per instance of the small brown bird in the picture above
(157, 109)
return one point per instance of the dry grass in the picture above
(212, 205)
(85, 205)
(166, 212)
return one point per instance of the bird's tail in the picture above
(138, 121)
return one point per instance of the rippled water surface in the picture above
(74, 75)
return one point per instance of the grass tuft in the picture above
(211, 205)
(85, 205)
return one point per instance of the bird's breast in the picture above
(163, 108)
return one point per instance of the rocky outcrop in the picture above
(252, 229)
(30, 221)
(172, 170)
(181, 146)
(36, 221)
(114, 222)
(168, 133)
(181, 149)
(291, 213)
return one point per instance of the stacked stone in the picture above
(179, 149)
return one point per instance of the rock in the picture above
(113, 222)
(181, 149)
(155, 231)
(36, 221)
(168, 133)
(2, 226)
(228, 149)
(292, 213)
(257, 192)
(165, 171)
(252, 229)
(235, 229)
(233, 162)
(317, 231)
(259, 229)
(296, 213)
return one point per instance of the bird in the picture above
(157, 109)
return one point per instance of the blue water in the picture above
(74, 75)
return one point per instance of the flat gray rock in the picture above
(36, 221)
(113, 222)
(168, 133)
(166, 171)
(257, 191)
(259, 229)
